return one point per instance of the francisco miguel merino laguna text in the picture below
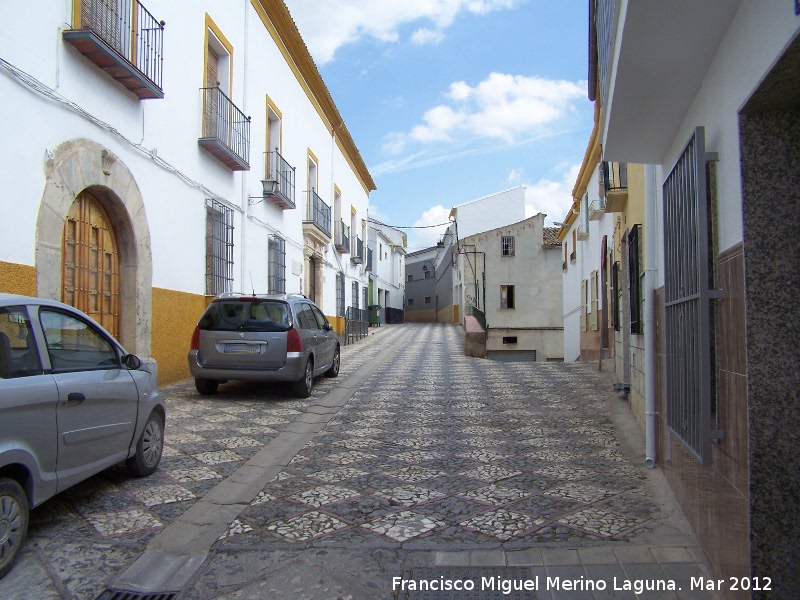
(506, 586)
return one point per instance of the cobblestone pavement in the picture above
(439, 460)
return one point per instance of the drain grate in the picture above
(111, 594)
(467, 583)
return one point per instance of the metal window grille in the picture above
(633, 279)
(340, 294)
(594, 298)
(277, 265)
(605, 17)
(584, 300)
(687, 300)
(219, 248)
(354, 297)
(615, 295)
(365, 297)
(507, 245)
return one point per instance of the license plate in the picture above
(242, 348)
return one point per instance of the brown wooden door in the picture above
(90, 262)
(210, 122)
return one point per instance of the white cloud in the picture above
(425, 37)
(552, 197)
(501, 107)
(427, 236)
(327, 26)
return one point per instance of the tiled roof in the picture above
(550, 236)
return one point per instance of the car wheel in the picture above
(13, 522)
(304, 386)
(148, 448)
(334, 370)
(207, 387)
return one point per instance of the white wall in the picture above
(175, 191)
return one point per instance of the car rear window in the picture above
(246, 315)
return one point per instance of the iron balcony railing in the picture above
(318, 213)
(277, 169)
(359, 250)
(224, 122)
(615, 176)
(605, 19)
(369, 259)
(343, 237)
(129, 29)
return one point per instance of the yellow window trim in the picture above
(210, 25)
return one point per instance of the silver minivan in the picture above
(72, 403)
(282, 337)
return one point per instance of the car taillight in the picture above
(196, 339)
(293, 341)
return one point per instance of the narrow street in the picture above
(416, 463)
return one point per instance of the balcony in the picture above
(656, 79)
(369, 259)
(615, 180)
(124, 40)
(318, 218)
(342, 242)
(358, 252)
(583, 233)
(282, 173)
(226, 131)
(597, 208)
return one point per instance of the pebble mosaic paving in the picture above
(444, 450)
(437, 450)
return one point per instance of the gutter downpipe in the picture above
(650, 273)
(245, 195)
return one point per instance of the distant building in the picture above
(386, 278)
(514, 273)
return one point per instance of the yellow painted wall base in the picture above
(338, 324)
(17, 279)
(175, 315)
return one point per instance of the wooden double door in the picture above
(90, 262)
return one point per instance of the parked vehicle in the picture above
(72, 403)
(263, 338)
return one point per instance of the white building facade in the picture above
(138, 154)
(714, 117)
(387, 277)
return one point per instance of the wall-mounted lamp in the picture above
(269, 188)
(560, 224)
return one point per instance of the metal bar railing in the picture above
(479, 315)
(356, 325)
(225, 122)
(369, 259)
(359, 249)
(343, 235)
(318, 213)
(615, 176)
(130, 29)
(281, 171)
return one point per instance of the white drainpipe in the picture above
(650, 272)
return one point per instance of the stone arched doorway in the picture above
(80, 169)
(90, 262)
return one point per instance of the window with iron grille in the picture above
(595, 301)
(633, 279)
(219, 248)
(277, 265)
(340, 294)
(688, 323)
(365, 296)
(584, 301)
(615, 295)
(507, 245)
(355, 294)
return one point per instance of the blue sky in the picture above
(452, 100)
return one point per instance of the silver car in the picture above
(72, 403)
(263, 338)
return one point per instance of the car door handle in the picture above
(75, 398)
